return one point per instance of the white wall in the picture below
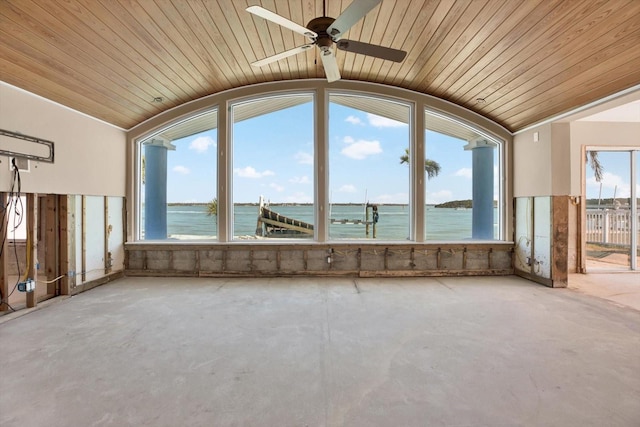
(562, 168)
(532, 165)
(90, 155)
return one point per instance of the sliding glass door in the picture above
(612, 183)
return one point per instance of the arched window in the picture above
(320, 162)
(177, 181)
(369, 187)
(273, 177)
(463, 180)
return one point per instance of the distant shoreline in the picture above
(455, 203)
(450, 204)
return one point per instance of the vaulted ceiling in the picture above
(516, 62)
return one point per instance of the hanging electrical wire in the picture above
(14, 203)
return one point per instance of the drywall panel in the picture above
(78, 237)
(89, 155)
(94, 237)
(542, 237)
(524, 234)
(115, 232)
(532, 163)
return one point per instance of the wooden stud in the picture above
(412, 262)
(66, 242)
(464, 258)
(32, 247)
(51, 257)
(490, 258)
(224, 259)
(560, 241)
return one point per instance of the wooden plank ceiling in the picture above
(528, 60)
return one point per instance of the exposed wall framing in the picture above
(350, 259)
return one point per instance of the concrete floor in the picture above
(488, 351)
(621, 288)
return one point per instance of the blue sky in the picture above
(273, 157)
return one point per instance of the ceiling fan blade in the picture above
(330, 65)
(282, 21)
(352, 14)
(372, 50)
(281, 55)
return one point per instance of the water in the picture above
(192, 222)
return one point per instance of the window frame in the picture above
(320, 89)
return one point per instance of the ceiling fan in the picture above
(324, 32)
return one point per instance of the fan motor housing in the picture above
(319, 26)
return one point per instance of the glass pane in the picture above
(368, 181)
(178, 181)
(608, 214)
(462, 192)
(273, 168)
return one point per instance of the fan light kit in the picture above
(324, 32)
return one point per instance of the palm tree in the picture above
(212, 207)
(596, 166)
(430, 166)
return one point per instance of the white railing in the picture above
(609, 226)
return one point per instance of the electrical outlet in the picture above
(28, 286)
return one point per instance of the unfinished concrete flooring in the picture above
(488, 351)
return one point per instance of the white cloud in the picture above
(383, 122)
(353, 120)
(276, 187)
(347, 188)
(361, 148)
(250, 172)
(611, 183)
(464, 172)
(439, 196)
(303, 158)
(300, 180)
(181, 169)
(201, 144)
